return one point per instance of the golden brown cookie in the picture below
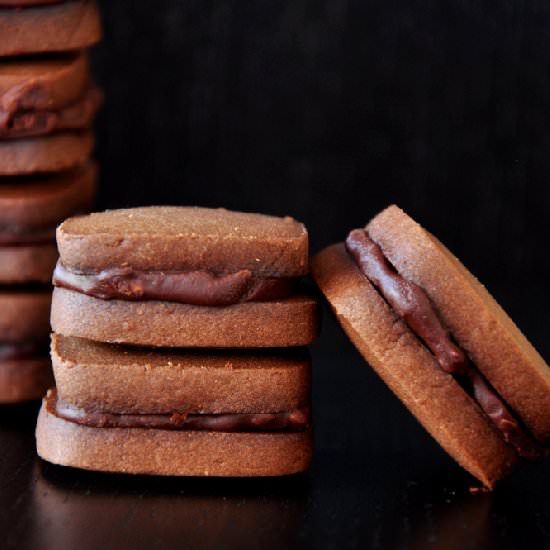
(293, 321)
(52, 153)
(171, 452)
(391, 349)
(171, 238)
(24, 379)
(32, 206)
(119, 379)
(48, 27)
(476, 321)
(27, 263)
(24, 315)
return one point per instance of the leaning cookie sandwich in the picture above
(441, 343)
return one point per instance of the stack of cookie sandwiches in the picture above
(178, 345)
(47, 106)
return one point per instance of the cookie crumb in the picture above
(478, 490)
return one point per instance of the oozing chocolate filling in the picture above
(25, 123)
(200, 288)
(22, 350)
(292, 421)
(411, 303)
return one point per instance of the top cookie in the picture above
(476, 321)
(31, 27)
(164, 238)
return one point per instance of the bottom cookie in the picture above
(171, 453)
(24, 379)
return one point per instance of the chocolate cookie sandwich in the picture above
(441, 343)
(175, 412)
(183, 277)
(30, 209)
(39, 96)
(39, 26)
(25, 370)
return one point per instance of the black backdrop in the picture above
(330, 110)
(326, 110)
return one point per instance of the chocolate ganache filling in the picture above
(16, 123)
(410, 302)
(291, 421)
(14, 236)
(200, 288)
(22, 350)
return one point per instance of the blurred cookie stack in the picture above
(48, 103)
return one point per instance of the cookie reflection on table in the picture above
(81, 509)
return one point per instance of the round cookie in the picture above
(24, 315)
(119, 379)
(48, 27)
(293, 321)
(24, 379)
(57, 152)
(477, 322)
(168, 452)
(33, 205)
(27, 263)
(170, 238)
(437, 401)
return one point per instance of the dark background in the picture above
(328, 111)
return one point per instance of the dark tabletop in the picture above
(378, 481)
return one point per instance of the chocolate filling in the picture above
(13, 236)
(200, 288)
(22, 350)
(24, 123)
(292, 421)
(411, 303)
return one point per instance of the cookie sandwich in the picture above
(183, 277)
(440, 341)
(47, 106)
